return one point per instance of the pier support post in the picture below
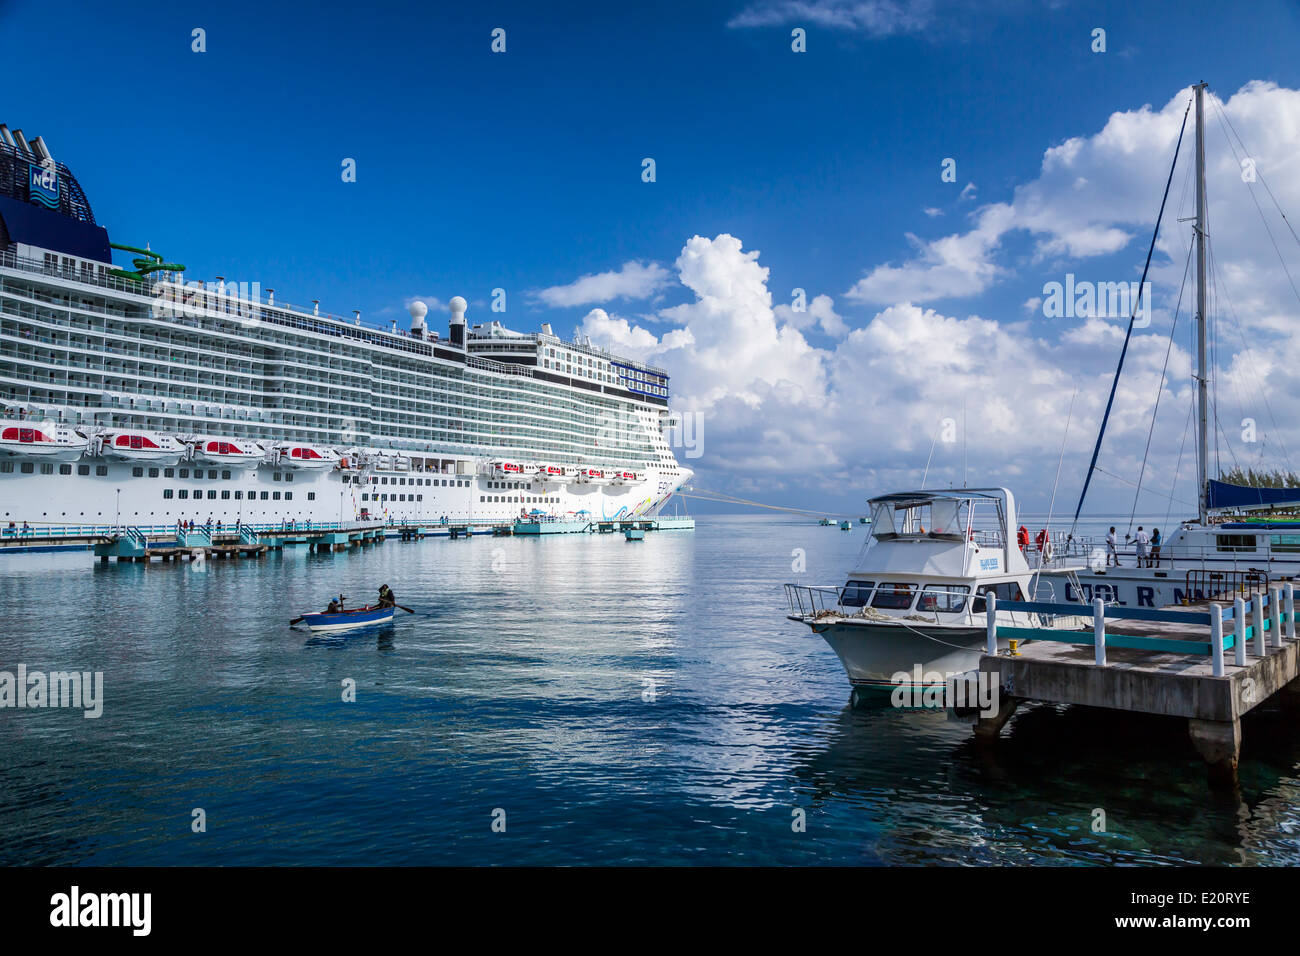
(988, 728)
(1290, 610)
(1257, 616)
(1239, 632)
(1275, 617)
(1219, 744)
(1099, 631)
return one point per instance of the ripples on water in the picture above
(519, 685)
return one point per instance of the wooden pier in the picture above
(136, 546)
(1209, 663)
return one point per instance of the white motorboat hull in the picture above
(875, 654)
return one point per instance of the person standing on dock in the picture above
(1112, 553)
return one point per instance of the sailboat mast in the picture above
(1202, 335)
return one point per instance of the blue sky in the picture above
(522, 170)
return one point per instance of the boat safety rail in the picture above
(1205, 584)
(1266, 619)
(810, 600)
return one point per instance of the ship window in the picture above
(311, 496)
(185, 472)
(275, 495)
(1006, 591)
(225, 476)
(1236, 542)
(225, 493)
(856, 593)
(288, 496)
(183, 493)
(239, 496)
(419, 497)
(47, 468)
(212, 493)
(65, 469)
(275, 476)
(83, 469)
(948, 598)
(481, 499)
(101, 469)
(137, 472)
(153, 472)
(1286, 542)
(167, 493)
(365, 497)
(288, 475)
(212, 473)
(266, 495)
(169, 472)
(894, 597)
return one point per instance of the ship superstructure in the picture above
(145, 398)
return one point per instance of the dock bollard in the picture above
(1257, 615)
(1275, 617)
(1216, 640)
(1239, 631)
(1290, 610)
(991, 605)
(1099, 630)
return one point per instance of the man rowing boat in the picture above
(386, 597)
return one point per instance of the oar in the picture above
(406, 609)
(296, 620)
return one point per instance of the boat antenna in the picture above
(933, 441)
(1128, 335)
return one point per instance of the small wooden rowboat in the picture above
(346, 620)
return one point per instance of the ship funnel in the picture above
(7, 137)
(457, 305)
(42, 153)
(546, 328)
(21, 142)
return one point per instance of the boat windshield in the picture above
(945, 598)
(894, 596)
(856, 593)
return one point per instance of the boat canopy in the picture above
(1222, 495)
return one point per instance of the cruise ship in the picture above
(142, 399)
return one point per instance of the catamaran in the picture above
(1237, 540)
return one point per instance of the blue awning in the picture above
(1223, 495)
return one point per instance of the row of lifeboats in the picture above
(64, 443)
(564, 474)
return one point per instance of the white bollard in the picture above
(991, 605)
(1099, 630)
(1290, 610)
(1216, 640)
(1257, 616)
(1239, 631)
(1274, 617)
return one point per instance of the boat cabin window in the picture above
(1286, 542)
(948, 598)
(1006, 591)
(856, 593)
(894, 597)
(1235, 542)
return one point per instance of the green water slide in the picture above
(145, 263)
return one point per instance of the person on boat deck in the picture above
(1141, 540)
(386, 597)
(1111, 551)
(1040, 538)
(1022, 537)
(334, 606)
(1155, 548)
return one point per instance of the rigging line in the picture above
(1051, 504)
(926, 474)
(1129, 481)
(1254, 368)
(1114, 385)
(1178, 467)
(1262, 218)
(1263, 182)
(729, 500)
(1173, 329)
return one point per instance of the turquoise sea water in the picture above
(614, 702)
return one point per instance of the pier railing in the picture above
(1266, 619)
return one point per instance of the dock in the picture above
(143, 544)
(1209, 663)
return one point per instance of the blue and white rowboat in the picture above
(347, 620)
